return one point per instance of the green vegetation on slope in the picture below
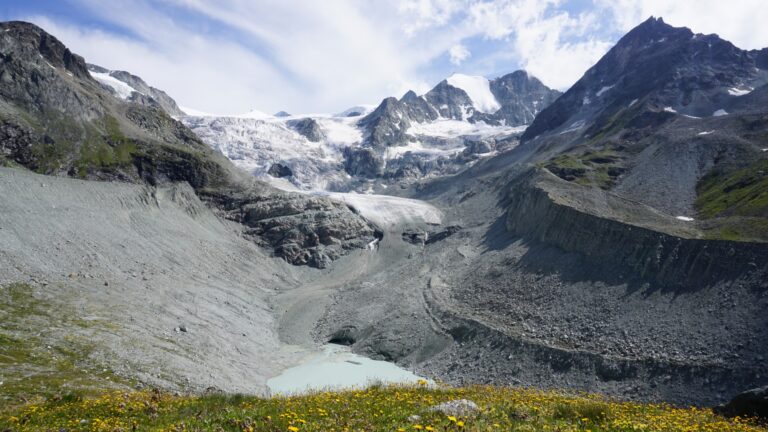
(31, 366)
(737, 203)
(598, 168)
(375, 409)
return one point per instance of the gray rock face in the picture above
(521, 96)
(450, 102)
(363, 162)
(751, 403)
(386, 126)
(279, 170)
(301, 229)
(309, 128)
(417, 108)
(149, 96)
(16, 143)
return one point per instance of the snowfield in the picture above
(122, 89)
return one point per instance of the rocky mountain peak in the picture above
(668, 68)
(409, 96)
(28, 40)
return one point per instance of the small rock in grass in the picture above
(457, 408)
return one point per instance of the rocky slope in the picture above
(57, 119)
(619, 248)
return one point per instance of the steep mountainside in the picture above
(671, 119)
(55, 118)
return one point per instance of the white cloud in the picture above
(550, 44)
(238, 55)
(741, 22)
(458, 54)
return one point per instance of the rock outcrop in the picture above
(307, 127)
(750, 404)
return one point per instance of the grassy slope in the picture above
(32, 366)
(736, 203)
(374, 409)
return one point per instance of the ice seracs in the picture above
(479, 91)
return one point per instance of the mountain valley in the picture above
(612, 238)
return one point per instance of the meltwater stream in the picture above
(337, 368)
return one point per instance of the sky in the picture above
(305, 56)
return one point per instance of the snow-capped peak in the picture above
(479, 91)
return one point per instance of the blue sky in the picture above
(232, 56)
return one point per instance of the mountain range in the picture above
(611, 238)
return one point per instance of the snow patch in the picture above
(706, 133)
(684, 218)
(670, 109)
(387, 210)
(586, 100)
(632, 103)
(122, 89)
(574, 126)
(603, 90)
(720, 113)
(739, 92)
(479, 91)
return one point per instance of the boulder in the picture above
(751, 403)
